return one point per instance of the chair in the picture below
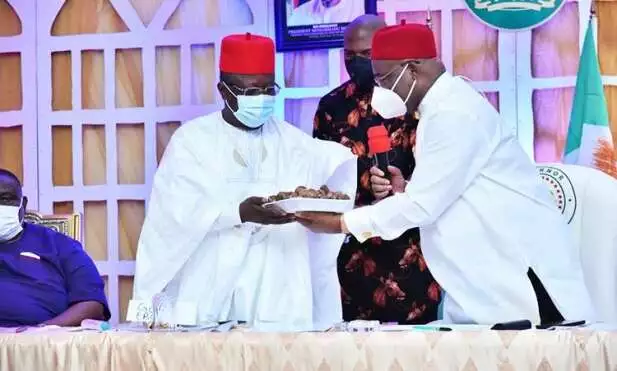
(587, 198)
(68, 224)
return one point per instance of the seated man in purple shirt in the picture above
(46, 278)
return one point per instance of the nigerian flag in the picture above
(589, 141)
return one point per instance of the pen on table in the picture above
(431, 328)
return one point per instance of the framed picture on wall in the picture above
(316, 24)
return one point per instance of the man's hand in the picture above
(382, 187)
(318, 222)
(77, 313)
(253, 210)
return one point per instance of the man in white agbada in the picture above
(326, 11)
(491, 233)
(209, 241)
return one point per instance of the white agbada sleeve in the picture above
(183, 208)
(456, 147)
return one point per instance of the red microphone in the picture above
(379, 146)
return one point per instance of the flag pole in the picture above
(593, 19)
(592, 10)
(429, 19)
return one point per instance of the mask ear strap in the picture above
(413, 85)
(229, 89)
(400, 76)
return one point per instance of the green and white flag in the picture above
(589, 141)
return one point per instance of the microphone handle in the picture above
(382, 161)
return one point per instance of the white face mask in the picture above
(10, 225)
(253, 110)
(387, 103)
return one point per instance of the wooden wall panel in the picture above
(212, 14)
(95, 228)
(125, 292)
(87, 17)
(106, 283)
(10, 78)
(94, 155)
(474, 57)
(607, 54)
(493, 97)
(607, 36)
(11, 150)
(297, 64)
(168, 76)
(129, 78)
(62, 155)
(202, 75)
(130, 145)
(63, 207)
(551, 111)
(61, 81)
(146, 9)
(131, 214)
(10, 25)
(555, 54)
(164, 131)
(195, 13)
(92, 79)
(555, 44)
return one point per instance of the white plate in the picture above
(292, 205)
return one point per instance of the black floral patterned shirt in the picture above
(380, 280)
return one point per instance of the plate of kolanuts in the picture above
(307, 199)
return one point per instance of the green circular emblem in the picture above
(514, 15)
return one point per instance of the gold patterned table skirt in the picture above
(461, 351)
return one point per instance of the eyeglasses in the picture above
(380, 81)
(268, 90)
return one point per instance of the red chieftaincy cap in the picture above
(378, 139)
(247, 54)
(404, 41)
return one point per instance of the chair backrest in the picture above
(69, 224)
(587, 198)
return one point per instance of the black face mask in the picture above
(360, 71)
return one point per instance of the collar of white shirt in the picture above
(435, 94)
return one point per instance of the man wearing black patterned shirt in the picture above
(380, 280)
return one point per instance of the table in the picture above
(576, 350)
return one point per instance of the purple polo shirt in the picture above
(36, 290)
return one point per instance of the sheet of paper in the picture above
(140, 311)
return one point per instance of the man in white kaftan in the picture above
(491, 233)
(199, 244)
